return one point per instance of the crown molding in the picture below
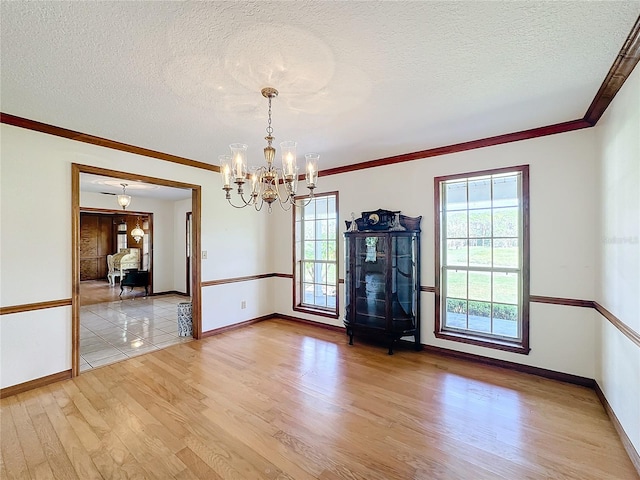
(461, 147)
(625, 62)
(21, 122)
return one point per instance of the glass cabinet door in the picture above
(403, 282)
(347, 279)
(370, 280)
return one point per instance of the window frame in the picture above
(520, 345)
(298, 305)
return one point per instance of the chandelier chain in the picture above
(269, 127)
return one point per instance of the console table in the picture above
(135, 278)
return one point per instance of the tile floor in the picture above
(114, 331)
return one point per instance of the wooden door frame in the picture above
(196, 199)
(189, 224)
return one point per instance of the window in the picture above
(316, 255)
(121, 238)
(482, 236)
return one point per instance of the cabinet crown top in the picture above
(383, 221)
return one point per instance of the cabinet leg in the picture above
(350, 333)
(418, 345)
(391, 347)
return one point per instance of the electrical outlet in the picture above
(204, 254)
(243, 304)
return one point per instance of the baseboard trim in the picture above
(235, 326)
(518, 367)
(169, 292)
(334, 328)
(35, 383)
(626, 441)
(541, 372)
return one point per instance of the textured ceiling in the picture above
(113, 187)
(358, 80)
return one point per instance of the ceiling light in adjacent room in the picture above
(123, 199)
(137, 233)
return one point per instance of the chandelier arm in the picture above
(258, 208)
(291, 194)
(251, 201)
(276, 187)
(286, 202)
(286, 206)
(235, 206)
(309, 201)
(245, 203)
(302, 204)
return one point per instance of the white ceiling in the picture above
(358, 80)
(113, 186)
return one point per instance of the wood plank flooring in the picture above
(99, 291)
(281, 400)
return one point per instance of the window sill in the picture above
(316, 311)
(514, 347)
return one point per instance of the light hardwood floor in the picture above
(280, 400)
(99, 291)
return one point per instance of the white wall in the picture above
(563, 231)
(618, 289)
(165, 231)
(35, 197)
(235, 241)
(34, 344)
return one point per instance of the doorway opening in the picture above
(108, 249)
(146, 261)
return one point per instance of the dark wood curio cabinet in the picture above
(382, 278)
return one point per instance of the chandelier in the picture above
(266, 183)
(137, 233)
(123, 199)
